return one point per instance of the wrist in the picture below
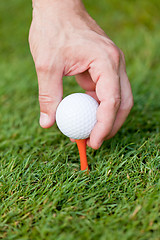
(59, 10)
(43, 3)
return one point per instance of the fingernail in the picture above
(99, 144)
(44, 119)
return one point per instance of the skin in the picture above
(65, 41)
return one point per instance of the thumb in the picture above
(50, 93)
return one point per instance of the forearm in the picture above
(62, 12)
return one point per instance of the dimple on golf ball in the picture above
(76, 115)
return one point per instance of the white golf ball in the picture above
(76, 115)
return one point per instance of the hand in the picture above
(65, 41)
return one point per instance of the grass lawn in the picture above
(43, 195)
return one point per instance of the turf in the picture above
(43, 195)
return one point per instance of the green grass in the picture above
(43, 195)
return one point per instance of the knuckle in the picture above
(42, 66)
(45, 99)
(115, 54)
(128, 103)
(122, 53)
(122, 56)
(115, 102)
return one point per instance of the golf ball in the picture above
(76, 115)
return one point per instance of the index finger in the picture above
(108, 92)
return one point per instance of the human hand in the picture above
(65, 41)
